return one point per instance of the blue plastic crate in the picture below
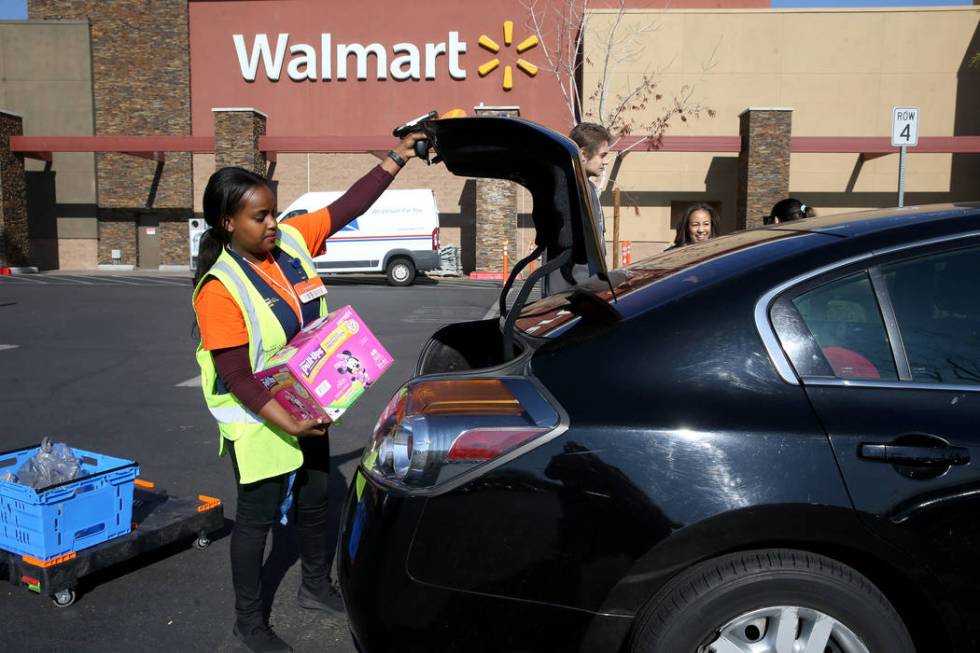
(69, 516)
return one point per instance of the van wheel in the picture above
(770, 600)
(400, 272)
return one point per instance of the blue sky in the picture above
(13, 9)
(783, 4)
(17, 9)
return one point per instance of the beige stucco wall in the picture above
(841, 71)
(46, 76)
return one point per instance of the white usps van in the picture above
(399, 235)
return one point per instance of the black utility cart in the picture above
(158, 520)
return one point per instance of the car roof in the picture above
(876, 220)
(792, 247)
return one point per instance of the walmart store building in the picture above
(108, 123)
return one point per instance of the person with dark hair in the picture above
(255, 287)
(787, 210)
(700, 223)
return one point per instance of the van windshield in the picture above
(548, 316)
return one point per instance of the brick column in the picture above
(763, 163)
(236, 139)
(141, 87)
(496, 211)
(15, 246)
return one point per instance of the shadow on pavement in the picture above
(147, 559)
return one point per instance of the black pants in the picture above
(259, 508)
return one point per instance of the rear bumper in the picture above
(425, 260)
(390, 610)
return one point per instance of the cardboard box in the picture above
(326, 366)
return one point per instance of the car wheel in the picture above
(400, 272)
(775, 600)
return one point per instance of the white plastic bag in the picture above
(53, 463)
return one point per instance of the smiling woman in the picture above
(700, 223)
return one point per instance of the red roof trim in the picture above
(802, 144)
(679, 144)
(326, 144)
(883, 145)
(154, 147)
(128, 144)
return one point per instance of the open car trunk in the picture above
(541, 160)
(565, 231)
(464, 346)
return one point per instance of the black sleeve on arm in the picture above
(359, 197)
(235, 370)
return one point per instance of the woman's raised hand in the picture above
(406, 148)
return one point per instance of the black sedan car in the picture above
(758, 443)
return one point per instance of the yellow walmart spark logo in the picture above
(526, 66)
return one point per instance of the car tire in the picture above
(742, 601)
(400, 272)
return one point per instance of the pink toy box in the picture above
(326, 366)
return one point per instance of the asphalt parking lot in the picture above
(105, 362)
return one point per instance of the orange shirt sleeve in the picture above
(315, 227)
(219, 319)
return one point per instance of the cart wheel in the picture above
(63, 598)
(202, 542)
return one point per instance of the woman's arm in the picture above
(368, 188)
(235, 370)
(358, 198)
(319, 225)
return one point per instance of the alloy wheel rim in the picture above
(400, 272)
(784, 629)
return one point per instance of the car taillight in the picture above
(435, 239)
(432, 431)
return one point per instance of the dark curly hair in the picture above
(683, 236)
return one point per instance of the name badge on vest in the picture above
(310, 289)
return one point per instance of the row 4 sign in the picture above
(905, 126)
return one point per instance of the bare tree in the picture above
(639, 109)
(563, 26)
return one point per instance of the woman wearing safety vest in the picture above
(255, 288)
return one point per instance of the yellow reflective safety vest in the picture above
(262, 450)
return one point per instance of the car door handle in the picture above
(908, 455)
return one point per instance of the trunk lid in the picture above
(543, 161)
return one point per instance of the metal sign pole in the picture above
(901, 177)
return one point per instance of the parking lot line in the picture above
(190, 383)
(72, 278)
(3, 347)
(107, 279)
(22, 277)
(159, 281)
